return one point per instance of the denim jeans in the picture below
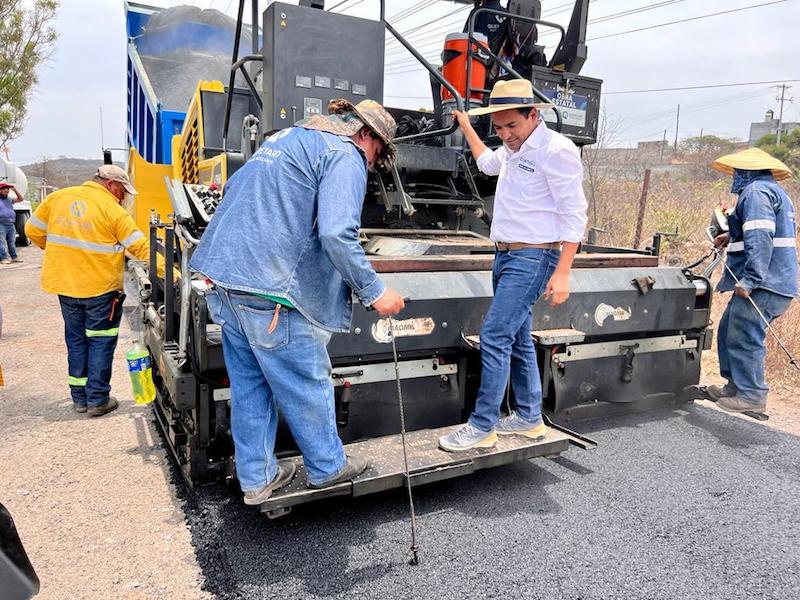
(740, 342)
(8, 239)
(519, 277)
(286, 371)
(91, 331)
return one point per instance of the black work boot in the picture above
(352, 469)
(106, 407)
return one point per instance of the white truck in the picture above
(13, 174)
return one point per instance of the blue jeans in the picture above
(519, 277)
(8, 238)
(91, 330)
(740, 342)
(288, 370)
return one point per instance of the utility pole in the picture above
(663, 143)
(783, 88)
(102, 138)
(677, 123)
(700, 143)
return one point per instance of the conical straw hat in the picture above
(752, 159)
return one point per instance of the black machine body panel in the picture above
(313, 56)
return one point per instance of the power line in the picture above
(658, 25)
(701, 87)
(697, 18)
(437, 30)
(555, 10)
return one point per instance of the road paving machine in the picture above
(629, 338)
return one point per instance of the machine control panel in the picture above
(312, 57)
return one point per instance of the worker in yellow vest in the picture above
(85, 233)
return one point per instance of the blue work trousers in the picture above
(91, 331)
(519, 278)
(8, 239)
(287, 370)
(741, 342)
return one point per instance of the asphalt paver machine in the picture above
(629, 338)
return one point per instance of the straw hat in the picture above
(347, 119)
(507, 95)
(752, 159)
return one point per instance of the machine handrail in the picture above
(439, 77)
(232, 81)
(500, 62)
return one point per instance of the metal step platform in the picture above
(427, 463)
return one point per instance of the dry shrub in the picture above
(684, 200)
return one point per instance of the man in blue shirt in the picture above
(8, 224)
(487, 23)
(283, 252)
(762, 258)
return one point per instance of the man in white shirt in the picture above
(537, 224)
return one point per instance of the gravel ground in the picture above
(91, 498)
(693, 503)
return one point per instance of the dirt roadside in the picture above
(91, 498)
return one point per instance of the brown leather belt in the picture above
(506, 246)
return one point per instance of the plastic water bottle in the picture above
(138, 357)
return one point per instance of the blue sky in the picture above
(760, 44)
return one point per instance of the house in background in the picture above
(767, 126)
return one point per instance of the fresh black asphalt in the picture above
(689, 503)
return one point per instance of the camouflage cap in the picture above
(344, 118)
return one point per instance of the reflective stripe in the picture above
(136, 235)
(79, 381)
(736, 247)
(38, 223)
(102, 332)
(784, 242)
(759, 224)
(83, 245)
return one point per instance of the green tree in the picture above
(708, 144)
(26, 40)
(700, 151)
(789, 150)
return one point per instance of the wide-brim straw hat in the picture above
(507, 95)
(752, 159)
(347, 119)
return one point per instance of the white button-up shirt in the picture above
(539, 195)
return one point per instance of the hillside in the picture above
(63, 172)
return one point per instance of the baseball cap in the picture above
(115, 173)
(5, 184)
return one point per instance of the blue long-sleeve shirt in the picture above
(288, 226)
(762, 251)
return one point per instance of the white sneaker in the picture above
(467, 437)
(513, 424)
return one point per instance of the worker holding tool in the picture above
(85, 233)
(284, 255)
(537, 224)
(761, 270)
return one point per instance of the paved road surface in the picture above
(681, 504)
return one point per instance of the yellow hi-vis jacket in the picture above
(85, 233)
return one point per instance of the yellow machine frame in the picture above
(189, 164)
